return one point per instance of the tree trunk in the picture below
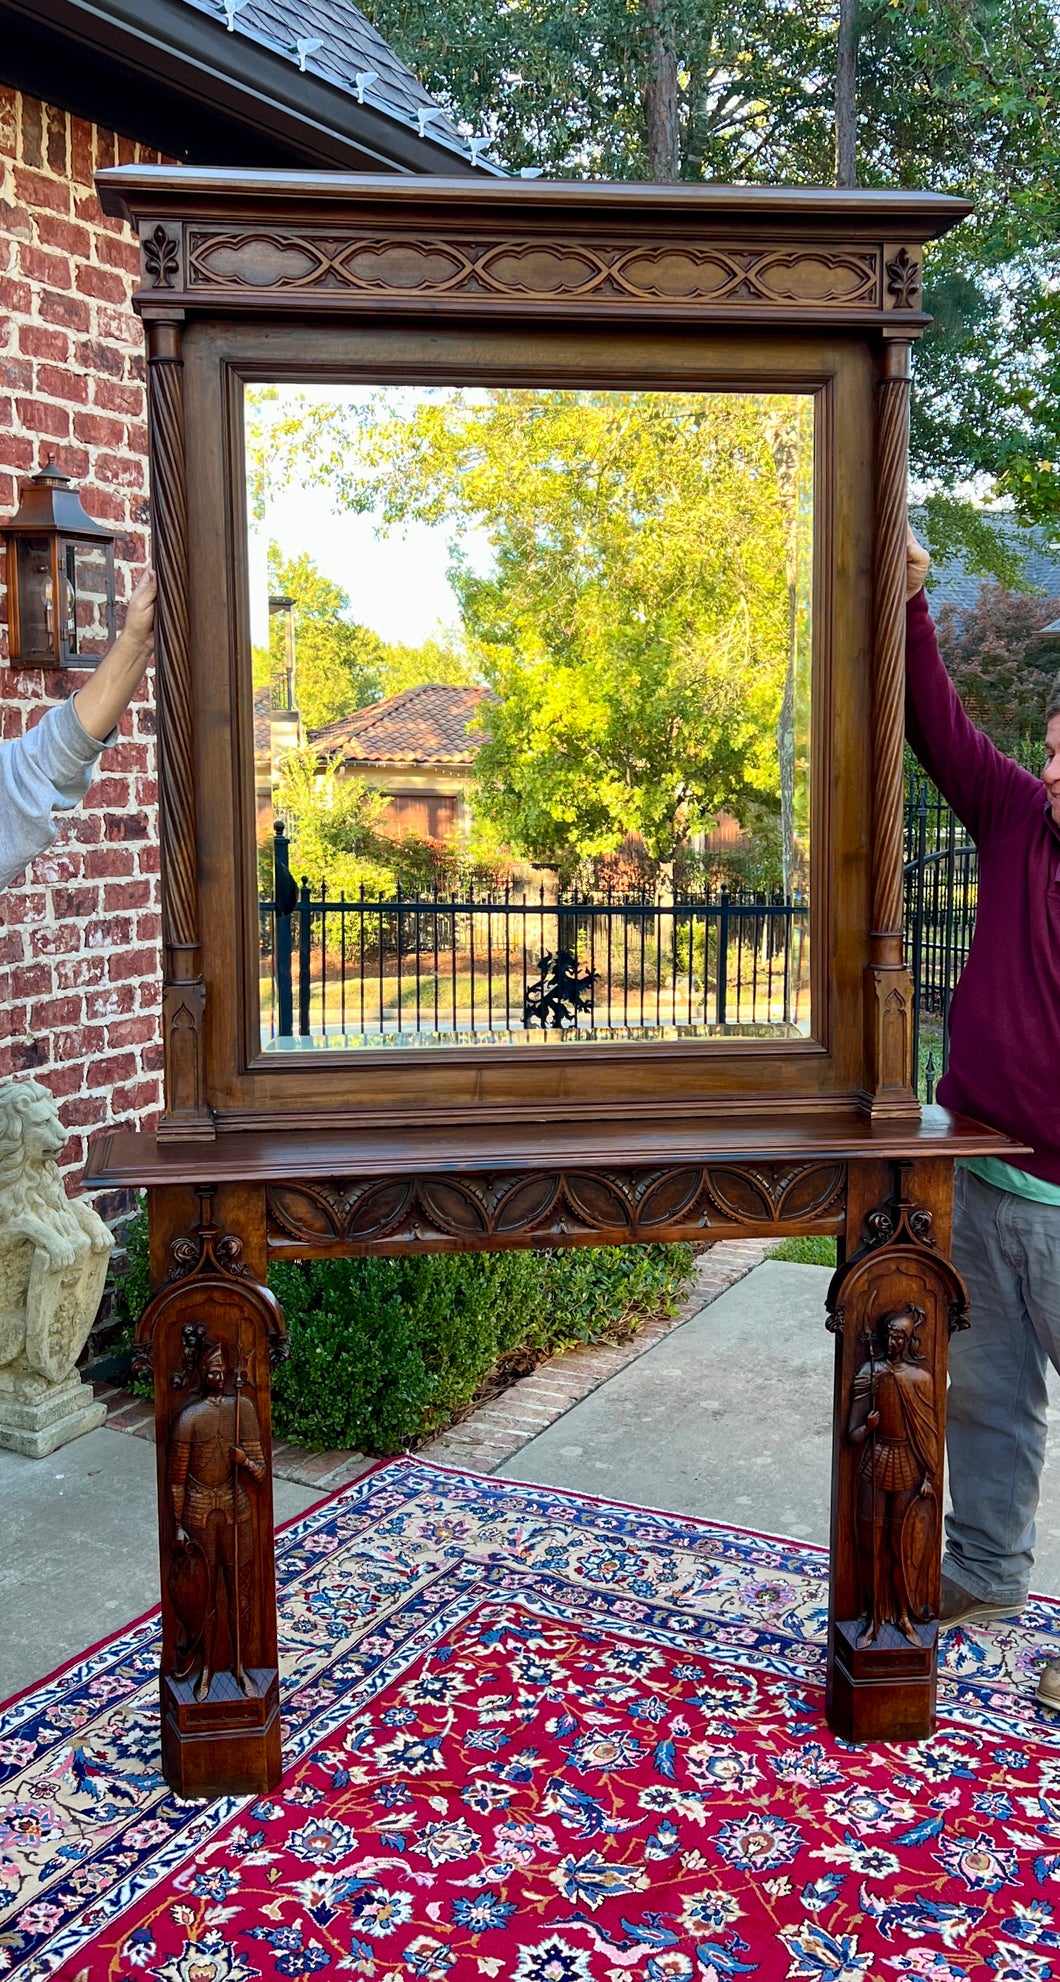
(846, 104)
(660, 95)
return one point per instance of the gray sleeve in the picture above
(46, 771)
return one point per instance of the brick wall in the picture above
(79, 935)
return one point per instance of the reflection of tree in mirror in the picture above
(341, 665)
(637, 627)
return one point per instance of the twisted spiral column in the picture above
(888, 986)
(183, 997)
(892, 448)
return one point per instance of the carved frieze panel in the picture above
(511, 1207)
(395, 266)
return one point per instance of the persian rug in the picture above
(540, 1738)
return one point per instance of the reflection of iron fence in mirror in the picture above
(941, 895)
(530, 965)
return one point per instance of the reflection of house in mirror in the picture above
(276, 731)
(417, 748)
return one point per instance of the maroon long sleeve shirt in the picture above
(1004, 1063)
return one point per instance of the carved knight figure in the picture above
(214, 1442)
(54, 1252)
(892, 1420)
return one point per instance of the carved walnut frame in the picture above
(257, 276)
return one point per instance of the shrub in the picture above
(385, 1352)
(815, 1250)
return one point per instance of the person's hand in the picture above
(917, 564)
(102, 702)
(139, 625)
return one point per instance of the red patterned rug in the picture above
(539, 1738)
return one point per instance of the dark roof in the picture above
(950, 583)
(263, 722)
(426, 725)
(229, 82)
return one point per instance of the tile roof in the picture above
(951, 584)
(425, 725)
(331, 39)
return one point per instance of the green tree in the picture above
(964, 98)
(1002, 673)
(339, 666)
(332, 823)
(634, 626)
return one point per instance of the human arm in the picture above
(49, 769)
(986, 789)
(102, 702)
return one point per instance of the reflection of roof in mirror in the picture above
(425, 725)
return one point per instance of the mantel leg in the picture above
(211, 1332)
(891, 1306)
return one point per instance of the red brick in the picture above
(55, 231)
(57, 308)
(12, 948)
(60, 383)
(102, 283)
(149, 928)
(37, 342)
(98, 429)
(15, 297)
(112, 1002)
(134, 963)
(116, 1067)
(17, 452)
(30, 980)
(82, 162)
(153, 1056)
(127, 895)
(73, 902)
(17, 375)
(138, 1031)
(127, 470)
(119, 251)
(111, 860)
(97, 356)
(147, 791)
(120, 326)
(55, 942)
(43, 417)
(38, 265)
(48, 1014)
(80, 970)
(109, 934)
(37, 189)
(115, 398)
(127, 826)
(85, 1112)
(133, 1100)
(105, 154)
(78, 1042)
(32, 131)
(148, 860)
(58, 141)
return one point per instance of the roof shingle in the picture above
(425, 725)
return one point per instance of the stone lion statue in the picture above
(54, 1253)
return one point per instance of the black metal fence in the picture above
(514, 962)
(462, 965)
(941, 895)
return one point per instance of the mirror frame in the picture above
(257, 276)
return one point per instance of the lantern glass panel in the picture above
(36, 599)
(90, 601)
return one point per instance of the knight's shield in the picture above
(188, 1585)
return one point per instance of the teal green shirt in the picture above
(1006, 1177)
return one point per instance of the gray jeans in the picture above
(1007, 1249)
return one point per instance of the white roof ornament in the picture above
(307, 44)
(231, 9)
(362, 79)
(477, 146)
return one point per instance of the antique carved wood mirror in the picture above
(571, 912)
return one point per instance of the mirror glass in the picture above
(531, 714)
